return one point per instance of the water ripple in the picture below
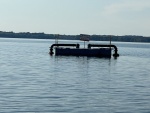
(31, 81)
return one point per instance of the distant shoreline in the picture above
(28, 35)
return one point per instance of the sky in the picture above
(73, 17)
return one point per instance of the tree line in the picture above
(126, 38)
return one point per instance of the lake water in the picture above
(32, 81)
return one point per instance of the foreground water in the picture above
(31, 81)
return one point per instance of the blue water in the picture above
(32, 81)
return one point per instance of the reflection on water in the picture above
(32, 81)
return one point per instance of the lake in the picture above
(32, 81)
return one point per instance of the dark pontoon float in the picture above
(92, 50)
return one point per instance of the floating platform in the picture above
(91, 50)
(103, 52)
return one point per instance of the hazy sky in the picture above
(110, 17)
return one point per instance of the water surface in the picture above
(32, 81)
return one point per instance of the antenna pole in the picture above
(110, 39)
